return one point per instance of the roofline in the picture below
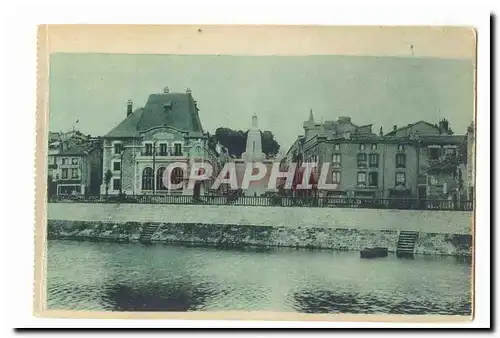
(117, 137)
(162, 126)
(86, 151)
(409, 126)
(446, 139)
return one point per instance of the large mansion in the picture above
(138, 150)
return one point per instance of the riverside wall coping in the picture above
(454, 222)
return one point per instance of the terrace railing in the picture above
(276, 201)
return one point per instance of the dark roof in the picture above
(177, 110)
(409, 126)
(128, 127)
(76, 150)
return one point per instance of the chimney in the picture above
(129, 107)
(381, 133)
(443, 126)
(394, 127)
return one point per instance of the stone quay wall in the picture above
(333, 229)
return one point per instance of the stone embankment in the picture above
(447, 233)
(223, 235)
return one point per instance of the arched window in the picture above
(147, 179)
(176, 176)
(159, 180)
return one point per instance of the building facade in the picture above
(74, 142)
(416, 161)
(77, 171)
(138, 150)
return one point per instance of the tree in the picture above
(235, 141)
(107, 180)
(269, 145)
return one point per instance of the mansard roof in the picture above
(177, 110)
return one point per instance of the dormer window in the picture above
(167, 106)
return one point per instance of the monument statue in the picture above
(253, 151)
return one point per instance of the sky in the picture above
(94, 88)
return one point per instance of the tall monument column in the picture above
(253, 151)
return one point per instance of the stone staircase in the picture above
(406, 243)
(147, 232)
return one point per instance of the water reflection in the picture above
(133, 277)
(175, 296)
(326, 301)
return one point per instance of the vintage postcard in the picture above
(256, 172)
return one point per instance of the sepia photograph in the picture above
(325, 181)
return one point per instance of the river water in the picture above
(135, 277)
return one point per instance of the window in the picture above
(159, 179)
(147, 179)
(400, 179)
(163, 149)
(361, 146)
(336, 177)
(374, 146)
(361, 178)
(116, 184)
(336, 159)
(373, 179)
(74, 160)
(361, 160)
(178, 149)
(450, 151)
(117, 166)
(64, 173)
(336, 147)
(176, 176)
(117, 148)
(400, 160)
(401, 147)
(434, 153)
(65, 160)
(148, 149)
(74, 173)
(373, 160)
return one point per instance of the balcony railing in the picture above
(270, 201)
(161, 154)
